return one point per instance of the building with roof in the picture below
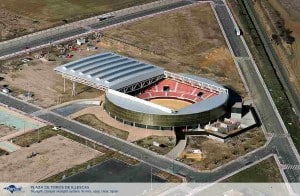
(147, 96)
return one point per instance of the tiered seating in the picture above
(173, 94)
(188, 96)
(185, 88)
(158, 94)
(167, 82)
(176, 90)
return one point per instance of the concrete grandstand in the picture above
(147, 96)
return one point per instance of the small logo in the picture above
(12, 188)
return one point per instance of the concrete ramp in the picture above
(9, 147)
(177, 150)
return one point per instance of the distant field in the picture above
(55, 10)
(265, 171)
(22, 17)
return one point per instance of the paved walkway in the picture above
(177, 150)
(9, 147)
(135, 133)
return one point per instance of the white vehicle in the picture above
(26, 60)
(5, 90)
(238, 31)
(105, 16)
(56, 128)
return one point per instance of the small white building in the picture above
(196, 151)
(81, 41)
(155, 144)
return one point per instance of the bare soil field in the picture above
(217, 153)
(292, 7)
(289, 54)
(167, 143)
(55, 155)
(22, 17)
(5, 130)
(39, 78)
(187, 40)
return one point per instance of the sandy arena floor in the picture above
(171, 103)
(56, 154)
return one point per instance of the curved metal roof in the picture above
(110, 70)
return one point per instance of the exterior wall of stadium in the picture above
(120, 76)
(162, 122)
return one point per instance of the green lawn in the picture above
(265, 171)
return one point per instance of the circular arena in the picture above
(167, 104)
(147, 96)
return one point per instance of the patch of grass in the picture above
(93, 121)
(167, 142)
(126, 159)
(169, 177)
(265, 171)
(35, 136)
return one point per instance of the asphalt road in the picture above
(263, 104)
(144, 155)
(14, 103)
(278, 145)
(228, 26)
(55, 35)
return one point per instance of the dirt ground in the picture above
(167, 143)
(47, 86)
(171, 103)
(5, 130)
(187, 40)
(16, 167)
(289, 54)
(215, 154)
(21, 17)
(135, 133)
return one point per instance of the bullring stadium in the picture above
(147, 96)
